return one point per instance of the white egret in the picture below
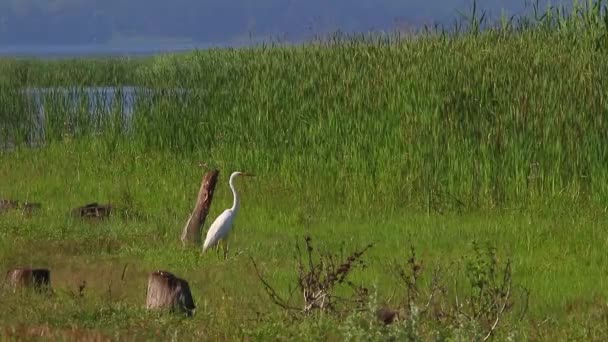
(222, 225)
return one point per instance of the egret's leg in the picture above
(226, 240)
(217, 249)
(220, 247)
(225, 248)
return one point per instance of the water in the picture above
(94, 102)
(61, 51)
(100, 100)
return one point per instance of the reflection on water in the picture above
(100, 99)
(92, 103)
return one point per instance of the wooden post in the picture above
(166, 291)
(191, 234)
(38, 279)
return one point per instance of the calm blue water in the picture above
(59, 51)
(99, 100)
(288, 21)
(417, 14)
(96, 102)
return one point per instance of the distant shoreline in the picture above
(123, 49)
(59, 51)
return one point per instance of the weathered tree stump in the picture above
(29, 208)
(191, 234)
(93, 210)
(166, 291)
(6, 205)
(38, 279)
(387, 315)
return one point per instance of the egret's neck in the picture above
(236, 204)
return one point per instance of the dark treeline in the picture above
(215, 21)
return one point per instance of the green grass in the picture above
(434, 141)
(558, 255)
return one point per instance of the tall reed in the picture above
(506, 116)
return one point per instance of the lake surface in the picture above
(94, 102)
(428, 11)
(59, 51)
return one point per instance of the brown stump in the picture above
(93, 210)
(38, 279)
(387, 315)
(6, 205)
(27, 207)
(192, 231)
(166, 291)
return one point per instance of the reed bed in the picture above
(498, 117)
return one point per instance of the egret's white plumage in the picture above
(219, 229)
(223, 224)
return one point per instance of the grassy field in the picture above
(453, 144)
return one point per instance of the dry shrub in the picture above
(319, 278)
(490, 295)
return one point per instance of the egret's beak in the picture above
(249, 174)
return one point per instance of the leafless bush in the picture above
(434, 304)
(318, 278)
(491, 298)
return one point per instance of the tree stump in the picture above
(38, 279)
(191, 234)
(6, 205)
(166, 291)
(387, 315)
(27, 207)
(93, 210)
